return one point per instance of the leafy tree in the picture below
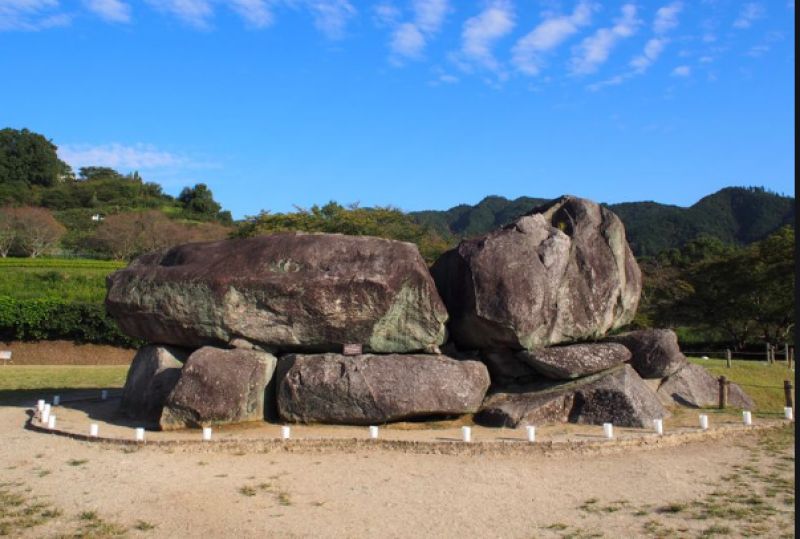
(7, 232)
(126, 235)
(385, 222)
(98, 173)
(199, 200)
(35, 230)
(741, 292)
(29, 159)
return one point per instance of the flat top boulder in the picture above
(372, 389)
(562, 273)
(286, 291)
(575, 360)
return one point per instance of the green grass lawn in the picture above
(72, 279)
(25, 382)
(762, 381)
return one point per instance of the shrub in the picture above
(51, 318)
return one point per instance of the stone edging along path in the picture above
(646, 441)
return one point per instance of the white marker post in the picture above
(788, 413)
(531, 433)
(373, 433)
(139, 434)
(46, 413)
(56, 400)
(608, 430)
(286, 432)
(51, 422)
(704, 421)
(40, 405)
(206, 434)
(94, 430)
(103, 394)
(658, 424)
(747, 417)
(466, 434)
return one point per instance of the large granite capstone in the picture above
(372, 389)
(562, 273)
(287, 291)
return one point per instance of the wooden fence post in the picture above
(787, 389)
(786, 353)
(728, 357)
(723, 392)
(768, 351)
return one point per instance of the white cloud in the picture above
(119, 156)
(549, 34)
(758, 50)
(31, 15)
(481, 32)
(198, 13)
(652, 50)
(386, 15)
(613, 81)
(682, 71)
(667, 18)
(407, 41)
(410, 38)
(595, 49)
(110, 10)
(193, 12)
(430, 14)
(256, 13)
(750, 13)
(331, 16)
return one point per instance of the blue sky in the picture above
(420, 104)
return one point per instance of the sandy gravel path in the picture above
(193, 492)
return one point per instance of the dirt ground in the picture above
(66, 353)
(736, 485)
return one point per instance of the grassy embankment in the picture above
(76, 280)
(762, 381)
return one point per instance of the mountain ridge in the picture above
(734, 215)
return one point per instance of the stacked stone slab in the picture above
(533, 298)
(236, 305)
(253, 329)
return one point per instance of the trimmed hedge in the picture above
(50, 318)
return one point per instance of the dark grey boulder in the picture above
(219, 386)
(562, 273)
(369, 389)
(655, 352)
(695, 387)
(617, 396)
(286, 291)
(151, 377)
(506, 368)
(575, 360)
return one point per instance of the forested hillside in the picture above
(734, 215)
(46, 208)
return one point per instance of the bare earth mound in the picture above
(66, 353)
